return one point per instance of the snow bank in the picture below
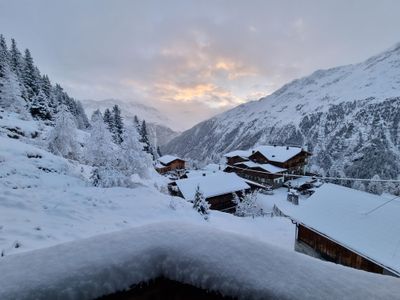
(201, 256)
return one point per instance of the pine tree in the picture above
(200, 204)
(39, 108)
(95, 116)
(10, 89)
(99, 149)
(132, 159)
(81, 117)
(159, 151)
(62, 138)
(30, 76)
(108, 119)
(16, 59)
(118, 125)
(144, 138)
(46, 86)
(136, 123)
(375, 186)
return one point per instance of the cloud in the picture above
(194, 59)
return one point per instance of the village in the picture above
(333, 223)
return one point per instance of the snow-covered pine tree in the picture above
(144, 138)
(375, 186)
(39, 108)
(62, 138)
(132, 158)
(81, 117)
(159, 153)
(16, 59)
(96, 115)
(136, 123)
(99, 149)
(46, 86)
(10, 89)
(200, 204)
(118, 125)
(108, 119)
(30, 76)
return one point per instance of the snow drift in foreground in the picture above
(201, 256)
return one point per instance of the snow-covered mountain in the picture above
(347, 116)
(158, 124)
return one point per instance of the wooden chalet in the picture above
(218, 189)
(293, 159)
(266, 174)
(270, 165)
(168, 163)
(350, 227)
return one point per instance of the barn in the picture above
(217, 188)
(350, 227)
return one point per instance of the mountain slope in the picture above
(159, 125)
(347, 116)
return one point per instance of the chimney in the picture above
(275, 145)
(204, 174)
(287, 147)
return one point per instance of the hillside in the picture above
(347, 116)
(159, 125)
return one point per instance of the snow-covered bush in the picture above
(106, 177)
(62, 138)
(358, 185)
(375, 186)
(247, 205)
(200, 204)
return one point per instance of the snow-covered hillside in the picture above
(46, 199)
(347, 116)
(158, 124)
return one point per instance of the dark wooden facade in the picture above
(274, 180)
(334, 252)
(294, 165)
(235, 159)
(177, 164)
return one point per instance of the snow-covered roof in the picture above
(166, 159)
(266, 167)
(107, 263)
(241, 153)
(365, 223)
(272, 153)
(278, 153)
(216, 184)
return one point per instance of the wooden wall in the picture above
(334, 252)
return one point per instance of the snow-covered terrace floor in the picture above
(198, 255)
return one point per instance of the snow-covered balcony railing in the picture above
(198, 255)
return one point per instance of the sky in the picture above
(194, 59)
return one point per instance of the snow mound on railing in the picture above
(204, 257)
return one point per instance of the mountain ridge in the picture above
(336, 105)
